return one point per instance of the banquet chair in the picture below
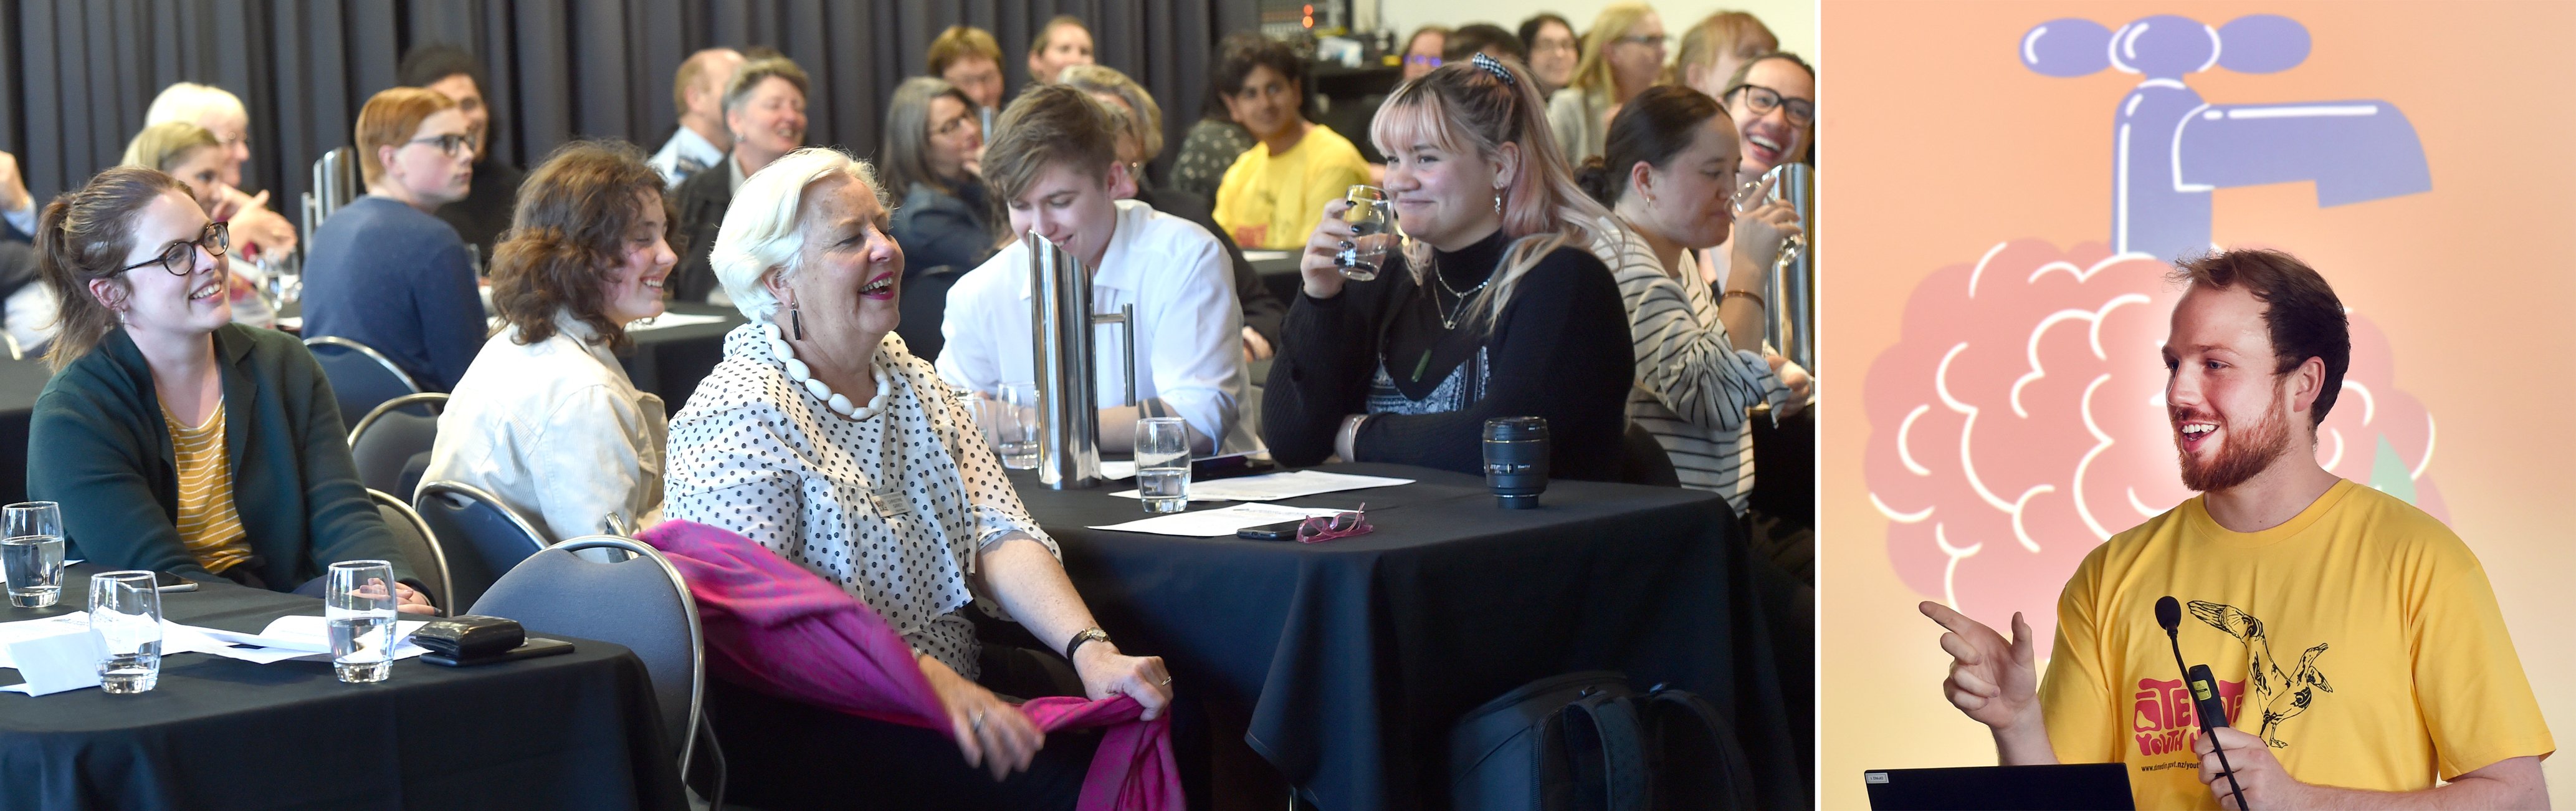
(489, 536)
(925, 302)
(386, 439)
(633, 597)
(419, 546)
(1643, 461)
(361, 377)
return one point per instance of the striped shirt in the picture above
(1693, 387)
(208, 526)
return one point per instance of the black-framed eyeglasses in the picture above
(447, 143)
(1761, 100)
(181, 257)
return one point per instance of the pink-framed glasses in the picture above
(1323, 528)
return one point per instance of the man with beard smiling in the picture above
(2355, 638)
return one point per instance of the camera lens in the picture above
(1516, 460)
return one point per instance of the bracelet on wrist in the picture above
(1756, 297)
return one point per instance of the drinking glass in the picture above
(1752, 196)
(359, 607)
(31, 553)
(125, 618)
(1163, 464)
(1016, 424)
(1372, 222)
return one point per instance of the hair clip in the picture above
(1493, 66)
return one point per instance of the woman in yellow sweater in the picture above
(1275, 192)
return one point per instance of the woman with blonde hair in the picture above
(1496, 309)
(1623, 55)
(195, 157)
(1714, 48)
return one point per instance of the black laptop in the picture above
(2072, 786)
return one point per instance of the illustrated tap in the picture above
(2171, 149)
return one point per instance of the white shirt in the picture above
(556, 431)
(1189, 329)
(893, 507)
(687, 153)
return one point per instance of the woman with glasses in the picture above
(932, 138)
(1276, 191)
(1550, 41)
(1623, 55)
(384, 271)
(1772, 102)
(195, 157)
(175, 440)
(1424, 49)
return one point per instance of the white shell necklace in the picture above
(804, 375)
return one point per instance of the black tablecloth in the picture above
(578, 730)
(20, 382)
(669, 361)
(1356, 656)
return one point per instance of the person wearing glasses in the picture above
(194, 156)
(1772, 102)
(1276, 190)
(1552, 52)
(1623, 55)
(175, 440)
(484, 212)
(385, 271)
(1424, 50)
(932, 139)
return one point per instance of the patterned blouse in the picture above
(893, 507)
(1206, 153)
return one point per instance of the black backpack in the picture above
(1586, 742)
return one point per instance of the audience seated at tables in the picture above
(192, 155)
(1713, 49)
(1426, 49)
(931, 140)
(1701, 364)
(1216, 139)
(1140, 140)
(1063, 43)
(821, 438)
(1553, 51)
(1772, 100)
(1495, 309)
(382, 271)
(698, 93)
(968, 57)
(175, 440)
(1623, 55)
(256, 228)
(1483, 38)
(1276, 190)
(764, 111)
(1053, 162)
(484, 212)
(546, 419)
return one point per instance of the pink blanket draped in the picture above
(781, 629)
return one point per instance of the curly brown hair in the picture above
(568, 238)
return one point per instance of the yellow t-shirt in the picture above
(2360, 638)
(208, 526)
(1286, 193)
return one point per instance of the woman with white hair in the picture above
(222, 113)
(822, 438)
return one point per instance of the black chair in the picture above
(420, 547)
(1643, 461)
(361, 377)
(385, 440)
(490, 537)
(925, 302)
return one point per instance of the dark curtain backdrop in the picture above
(78, 74)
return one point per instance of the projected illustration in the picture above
(2020, 420)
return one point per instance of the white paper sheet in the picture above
(175, 638)
(668, 320)
(1218, 522)
(299, 637)
(1114, 471)
(1275, 486)
(1251, 255)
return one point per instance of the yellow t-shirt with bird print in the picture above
(2360, 639)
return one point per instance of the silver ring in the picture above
(978, 723)
(1166, 682)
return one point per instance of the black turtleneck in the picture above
(1560, 350)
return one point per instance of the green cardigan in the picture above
(96, 443)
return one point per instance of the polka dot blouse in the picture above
(892, 507)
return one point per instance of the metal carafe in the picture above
(1061, 357)
(1791, 286)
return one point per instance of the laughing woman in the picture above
(546, 419)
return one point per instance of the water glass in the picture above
(1372, 221)
(1016, 426)
(125, 618)
(359, 605)
(31, 553)
(1163, 464)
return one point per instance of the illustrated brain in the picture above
(2019, 421)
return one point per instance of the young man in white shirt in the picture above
(1053, 162)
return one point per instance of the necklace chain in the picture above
(1449, 321)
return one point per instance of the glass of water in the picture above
(359, 607)
(1015, 426)
(1163, 464)
(1372, 221)
(125, 618)
(31, 553)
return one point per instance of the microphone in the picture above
(2204, 692)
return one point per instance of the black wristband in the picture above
(1085, 635)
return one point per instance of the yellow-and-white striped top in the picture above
(208, 526)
